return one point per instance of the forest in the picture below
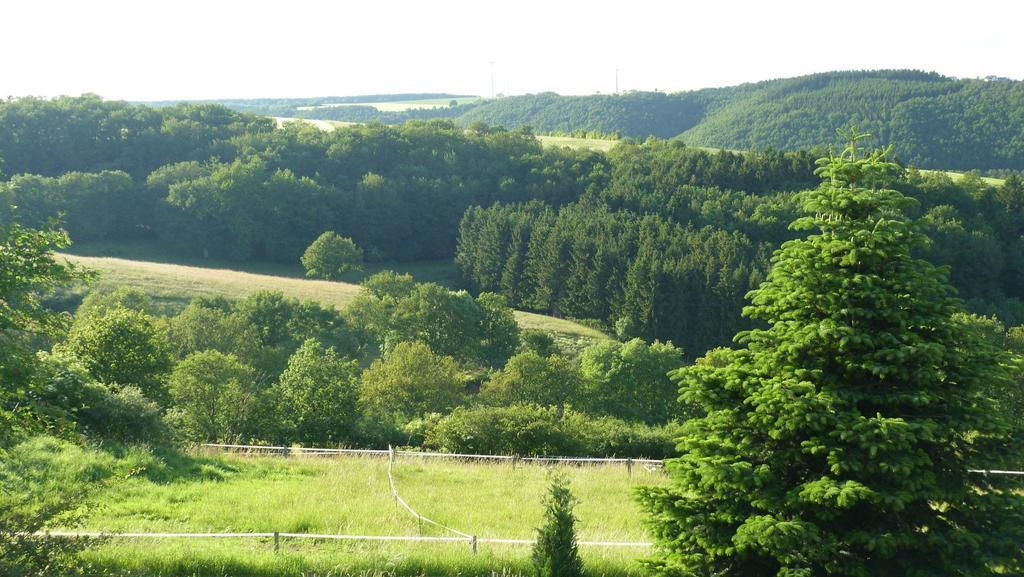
(808, 332)
(653, 239)
(934, 121)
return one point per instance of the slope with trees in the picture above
(934, 121)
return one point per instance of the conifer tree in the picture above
(556, 553)
(840, 439)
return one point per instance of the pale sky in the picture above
(186, 49)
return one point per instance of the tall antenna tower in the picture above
(616, 81)
(492, 79)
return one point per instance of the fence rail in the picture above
(471, 540)
(407, 507)
(468, 456)
(464, 456)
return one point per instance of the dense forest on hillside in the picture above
(233, 186)
(652, 239)
(669, 251)
(934, 121)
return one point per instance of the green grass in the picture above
(958, 175)
(249, 558)
(399, 105)
(578, 143)
(350, 495)
(321, 124)
(172, 286)
(443, 272)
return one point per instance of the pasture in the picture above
(578, 143)
(172, 286)
(321, 124)
(956, 176)
(351, 495)
(400, 105)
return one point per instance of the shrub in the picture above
(214, 396)
(315, 397)
(123, 414)
(630, 380)
(515, 430)
(556, 554)
(611, 437)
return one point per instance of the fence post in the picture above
(472, 543)
(629, 467)
(391, 464)
(277, 541)
(515, 461)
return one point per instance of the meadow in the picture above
(351, 495)
(171, 286)
(319, 123)
(578, 143)
(399, 105)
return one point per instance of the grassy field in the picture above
(400, 105)
(578, 143)
(321, 124)
(350, 495)
(958, 175)
(171, 286)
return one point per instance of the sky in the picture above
(187, 49)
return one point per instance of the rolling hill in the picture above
(934, 121)
(171, 286)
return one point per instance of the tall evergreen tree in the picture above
(840, 440)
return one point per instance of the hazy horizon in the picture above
(206, 51)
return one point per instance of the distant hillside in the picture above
(638, 114)
(357, 106)
(934, 121)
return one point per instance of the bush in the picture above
(611, 437)
(539, 341)
(516, 430)
(531, 430)
(630, 380)
(315, 397)
(122, 346)
(214, 397)
(123, 414)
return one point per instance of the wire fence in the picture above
(316, 451)
(391, 453)
(419, 518)
(471, 540)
